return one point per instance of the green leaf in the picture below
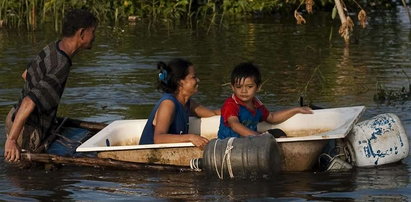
(334, 13)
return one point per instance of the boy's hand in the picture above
(305, 110)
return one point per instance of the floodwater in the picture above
(116, 80)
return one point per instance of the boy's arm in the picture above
(239, 128)
(280, 116)
(201, 111)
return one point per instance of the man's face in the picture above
(87, 37)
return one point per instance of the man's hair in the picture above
(170, 74)
(245, 70)
(76, 19)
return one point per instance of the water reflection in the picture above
(92, 183)
(34, 184)
(314, 186)
(383, 177)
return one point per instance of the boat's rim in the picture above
(337, 133)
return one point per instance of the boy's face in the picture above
(245, 89)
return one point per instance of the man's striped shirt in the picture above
(46, 77)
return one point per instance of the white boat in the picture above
(307, 135)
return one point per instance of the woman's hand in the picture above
(198, 141)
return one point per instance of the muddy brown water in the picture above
(115, 80)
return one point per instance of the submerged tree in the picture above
(347, 25)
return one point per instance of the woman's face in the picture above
(189, 84)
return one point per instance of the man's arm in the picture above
(11, 149)
(24, 75)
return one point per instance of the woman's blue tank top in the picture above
(179, 123)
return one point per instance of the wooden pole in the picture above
(340, 10)
(407, 9)
(93, 126)
(98, 162)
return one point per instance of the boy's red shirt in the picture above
(231, 107)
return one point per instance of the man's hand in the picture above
(11, 151)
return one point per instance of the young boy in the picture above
(241, 113)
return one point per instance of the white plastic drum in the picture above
(378, 141)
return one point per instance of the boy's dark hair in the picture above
(245, 70)
(170, 74)
(76, 19)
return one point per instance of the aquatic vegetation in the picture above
(389, 96)
(31, 13)
(315, 77)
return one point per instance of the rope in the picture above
(215, 160)
(348, 156)
(194, 165)
(227, 152)
(329, 157)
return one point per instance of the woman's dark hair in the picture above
(76, 19)
(245, 70)
(170, 74)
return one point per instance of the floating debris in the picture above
(388, 96)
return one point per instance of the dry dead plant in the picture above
(362, 18)
(300, 19)
(309, 6)
(346, 28)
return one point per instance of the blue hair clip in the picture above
(163, 76)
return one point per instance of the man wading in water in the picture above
(33, 119)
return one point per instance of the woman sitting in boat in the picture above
(168, 121)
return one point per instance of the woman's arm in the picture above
(239, 128)
(162, 121)
(280, 116)
(201, 111)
